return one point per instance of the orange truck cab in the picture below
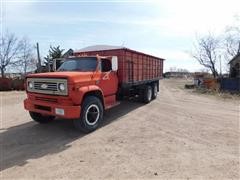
(80, 90)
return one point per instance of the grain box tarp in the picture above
(134, 67)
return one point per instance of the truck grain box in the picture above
(133, 67)
(94, 79)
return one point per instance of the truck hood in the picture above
(73, 77)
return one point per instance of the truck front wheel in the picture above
(41, 118)
(91, 115)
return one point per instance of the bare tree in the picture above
(26, 60)
(231, 41)
(206, 52)
(10, 46)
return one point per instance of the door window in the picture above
(106, 65)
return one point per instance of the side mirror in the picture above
(114, 63)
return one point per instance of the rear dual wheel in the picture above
(149, 93)
(155, 91)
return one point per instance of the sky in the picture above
(163, 28)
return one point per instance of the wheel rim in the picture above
(92, 114)
(149, 94)
(155, 90)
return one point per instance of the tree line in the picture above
(211, 50)
(15, 53)
(19, 54)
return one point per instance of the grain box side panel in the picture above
(150, 68)
(135, 67)
(146, 68)
(161, 68)
(145, 74)
(143, 67)
(158, 65)
(140, 67)
(154, 68)
(155, 65)
(145, 77)
(129, 67)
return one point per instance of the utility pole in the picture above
(39, 67)
(220, 63)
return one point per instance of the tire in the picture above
(147, 94)
(91, 115)
(154, 91)
(41, 118)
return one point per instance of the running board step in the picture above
(112, 105)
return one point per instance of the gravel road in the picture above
(180, 135)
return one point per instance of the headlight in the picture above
(30, 85)
(61, 87)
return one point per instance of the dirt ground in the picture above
(180, 135)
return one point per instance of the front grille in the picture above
(47, 86)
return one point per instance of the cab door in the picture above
(109, 80)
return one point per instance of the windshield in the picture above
(79, 64)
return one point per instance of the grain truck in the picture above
(94, 79)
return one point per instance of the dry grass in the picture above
(217, 93)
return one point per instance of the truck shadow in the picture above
(30, 140)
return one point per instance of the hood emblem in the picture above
(44, 86)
